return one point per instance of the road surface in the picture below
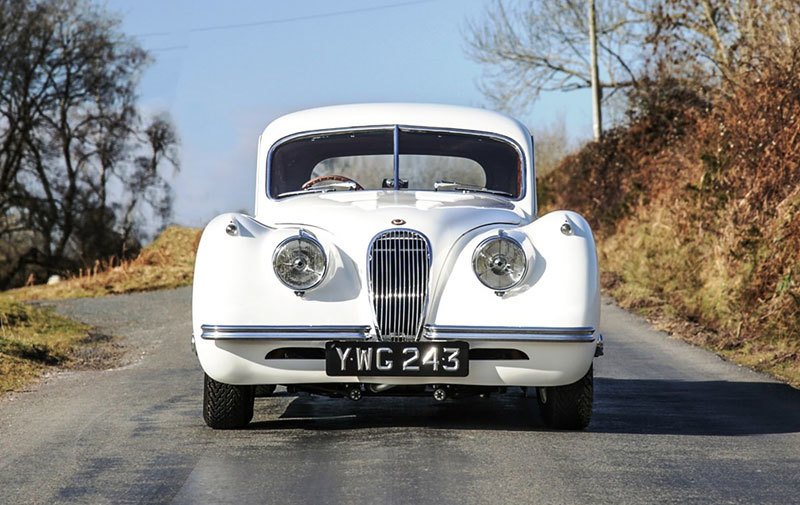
(672, 424)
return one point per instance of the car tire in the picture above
(225, 406)
(567, 407)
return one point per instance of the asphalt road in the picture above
(672, 424)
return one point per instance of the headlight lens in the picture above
(300, 263)
(499, 263)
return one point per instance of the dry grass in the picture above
(34, 339)
(166, 263)
(696, 207)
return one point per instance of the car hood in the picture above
(364, 214)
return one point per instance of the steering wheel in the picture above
(323, 178)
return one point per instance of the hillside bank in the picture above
(695, 204)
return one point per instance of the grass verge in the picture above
(34, 339)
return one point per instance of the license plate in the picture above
(415, 359)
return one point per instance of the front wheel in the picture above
(567, 407)
(226, 406)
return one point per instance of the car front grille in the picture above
(399, 266)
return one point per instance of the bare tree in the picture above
(725, 38)
(78, 165)
(551, 145)
(536, 46)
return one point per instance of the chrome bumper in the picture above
(228, 332)
(528, 334)
(429, 332)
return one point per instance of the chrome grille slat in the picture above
(404, 294)
(399, 266)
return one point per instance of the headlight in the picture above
(499, 263)
(300, 262)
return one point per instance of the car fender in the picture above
(560, 289)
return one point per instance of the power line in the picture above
(284, 20)
(169, 48)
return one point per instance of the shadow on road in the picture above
(658, 407)
(709, 408)
(511, 411)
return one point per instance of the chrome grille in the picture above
(399, 264)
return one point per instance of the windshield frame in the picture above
(397, 128)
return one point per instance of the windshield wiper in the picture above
(323, 188)
(457, 186)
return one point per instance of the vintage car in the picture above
(395, 249)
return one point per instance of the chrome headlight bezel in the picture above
(316, 245)
(516, 246)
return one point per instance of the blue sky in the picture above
(224, 70)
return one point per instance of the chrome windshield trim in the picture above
(529, 334)
(235, 332)
(396, 129)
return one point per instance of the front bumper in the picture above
(429, 332)
(555, 356)
(230, 332)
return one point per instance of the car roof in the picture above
(404, 114)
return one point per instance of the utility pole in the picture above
(597, 116)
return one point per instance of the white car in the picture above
(396, 249)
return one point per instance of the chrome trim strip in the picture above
(529, 334)
(396, 156)
(235, 332)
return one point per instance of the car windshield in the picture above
(427, 161)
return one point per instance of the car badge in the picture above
(398, 222)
